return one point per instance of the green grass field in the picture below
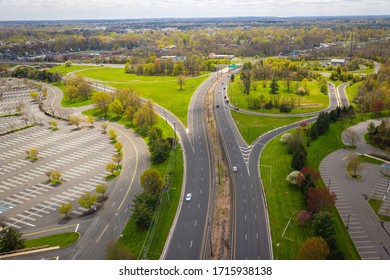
(61, 239)
(63, 70)
(352, 91)
(285, 201)
(375, 205)
(251, 127)
(315, 101)
(163, 90)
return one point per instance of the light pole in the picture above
(347, 226)
(120, 227)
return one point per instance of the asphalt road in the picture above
(189, 235)
(251, 232)
(187, 238)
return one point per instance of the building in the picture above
(338, 61)
(173, 57)
(221, 56)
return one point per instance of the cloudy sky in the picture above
(127, 9)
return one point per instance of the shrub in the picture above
(304, 217)
(295, 177)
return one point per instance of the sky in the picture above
(133, 9)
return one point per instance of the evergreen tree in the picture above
(11, 240)
(274, 86)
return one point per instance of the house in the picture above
(338, 61)
(221, 56)
(173, 57)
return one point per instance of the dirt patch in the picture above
(220, 248)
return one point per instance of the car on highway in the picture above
(235, 169)
(188, 196)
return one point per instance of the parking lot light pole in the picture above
(347, 226)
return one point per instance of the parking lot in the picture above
(26, 198)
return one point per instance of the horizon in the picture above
(52, 10)
(199, 18)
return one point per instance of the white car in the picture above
(235, 169)
(188, 196)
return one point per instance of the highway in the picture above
(251, 230)
(189, 233)
(187, 239)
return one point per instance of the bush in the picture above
(304, 217)
(286, 138)
(295, 177)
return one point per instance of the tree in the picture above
(151, 181)
(53, 125)
(32, 154)
(304, 218)
(371, 128)
(118, 147)
(87, 200)
(286, 138)
(298, 159)
(116, 107)
(91, 120)
(295, 177)
(314, 248)
(181, 81)
(320, 199)
(143, 209)
(102, 101)
(159, 150)
(112, 134)
(274, 86)
(72, 92)
(76, 120)
(377, 106)
(101, 189)
(154, 134)
(111, 167)
(354, 164)
(117, 158)
(65, 209)
(34, 95)
(11, 240)
(104, 127)
(351, 136)
(145, 117)
(323, 226)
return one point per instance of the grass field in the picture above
(251, 127)
(163, 90)
(285, 201)
(63, 70)
(315, 100)
(375, 205)
(61, 239)
(352, 91)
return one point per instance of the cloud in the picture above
(85, 9)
